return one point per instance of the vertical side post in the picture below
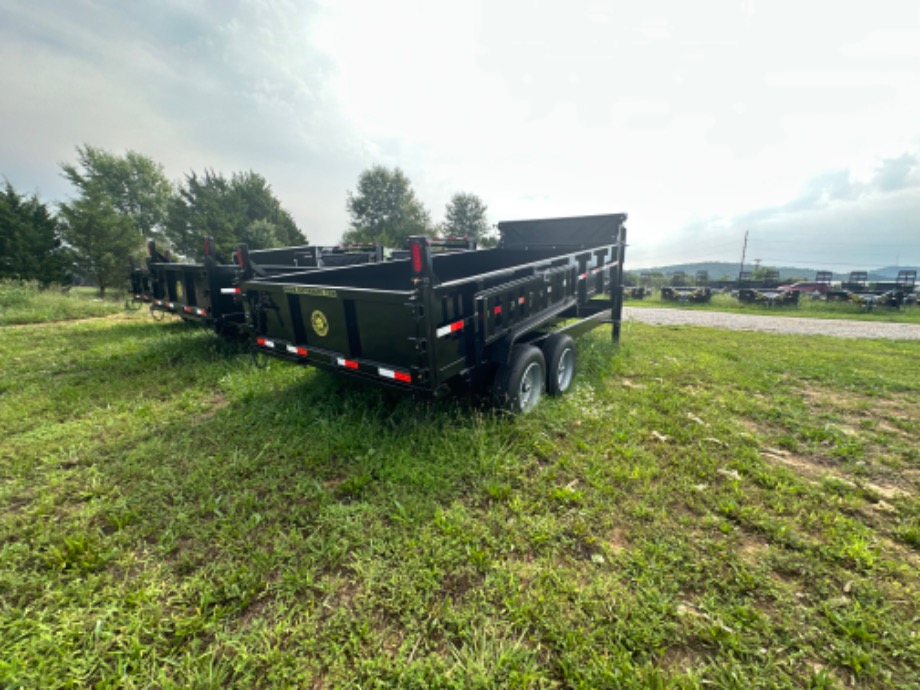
(244, 262)
(616, 286)
(423, 279)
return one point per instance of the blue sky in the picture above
(797, 121)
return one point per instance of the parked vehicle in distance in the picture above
(803, 286)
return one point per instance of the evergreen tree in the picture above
(100, 237)
(385, 210)
(30, 242)
(465, 216)
(240, 209)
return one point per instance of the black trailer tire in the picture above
(561, 361)
(518, 385)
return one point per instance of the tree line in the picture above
(121, 201)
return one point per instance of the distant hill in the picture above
(719, 269)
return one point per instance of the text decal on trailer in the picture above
(313, 292)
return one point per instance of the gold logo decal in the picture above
(319, 322)
(312, 292)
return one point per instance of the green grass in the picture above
(816, 309)
(26, 302)
(706, 508)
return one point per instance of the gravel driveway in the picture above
(838, 328)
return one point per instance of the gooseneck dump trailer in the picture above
(497, 320)
(206, 292)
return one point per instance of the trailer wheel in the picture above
(519, 384)
(559, 350)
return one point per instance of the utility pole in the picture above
(743, 252)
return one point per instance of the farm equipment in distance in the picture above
(686, 295)
(499, 321)
(859, 291)
(767, 297)
(678, 291)
(636, 292)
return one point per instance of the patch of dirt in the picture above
(617, 541)
(753, 427)
(805, 466)
(815, 668)
(217, 403)
(751, 548)
(887, 491)
(457, 584)
(343, 596)
(818, 397)
(111, 317)
(890, 429)
(901, 551)
(682, 658)
(252, 612)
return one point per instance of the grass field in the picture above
(26, 302)
(815, 309)
(707, 508)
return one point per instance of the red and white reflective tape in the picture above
(202, 312)
(159, 303)
(450, 328)
(189, 309)
(230, 291)
(170, 305)
(520, 300)
(347, 363)
(583, 276)
(137, 296)
(297, 350)
(395, 375)
(264, 342)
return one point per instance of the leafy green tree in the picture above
(100, 237)
(384, 209)
(30, 243)
(240, 209)
(465, 216)
(134, 184)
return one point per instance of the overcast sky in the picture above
(796, 120)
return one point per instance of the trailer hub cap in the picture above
(566, 369)
(531, 387)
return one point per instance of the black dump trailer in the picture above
(206, 292)
(141, 288)
(499, 321)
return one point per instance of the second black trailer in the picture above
(205, 292)
(499, 320)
